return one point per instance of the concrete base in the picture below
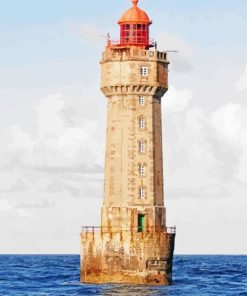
(154, 280)
(129, 258)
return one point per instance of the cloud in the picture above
(207, 151)
(230, 123)
(13, 182)
(77, 185)
(6, 205)
(241, 84)
(40, 204)
(60, 153)
(10, 206)
(58, 141)
(177, 100)
(181, 61)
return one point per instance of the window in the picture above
(142, 193)
(142, 147)
(142, 123)
(142, 170)
(138, 34)
(144, 71)
(142, 101)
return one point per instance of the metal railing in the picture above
(102, 229)
(135, 52)
(126, 41)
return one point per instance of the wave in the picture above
(59, 275)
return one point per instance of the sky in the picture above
(53, 121)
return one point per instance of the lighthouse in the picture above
(133, 243)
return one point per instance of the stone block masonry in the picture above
(133, 243)
(123, 256)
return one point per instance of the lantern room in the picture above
(134, 27)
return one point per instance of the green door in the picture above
(141, 222)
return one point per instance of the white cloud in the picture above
(230, 122)
(49, 120)
(58, 140)
(207, 151)
(180, 52)
(59, 154)
(177, 100)
(226, 121)
(10, 206)
(6, 205)
(241, 84)
(24, 213)
(230, 125)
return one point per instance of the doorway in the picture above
(141, 222)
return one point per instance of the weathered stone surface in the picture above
(139, 258)
(133, 244)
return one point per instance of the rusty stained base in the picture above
(138, 279)
(127, 261)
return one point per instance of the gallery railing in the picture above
(148, 229)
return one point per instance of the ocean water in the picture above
(59, 275)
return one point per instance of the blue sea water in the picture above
(59, 275)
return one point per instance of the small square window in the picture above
(142, 123)
(142, 147)
(142, 193)
(142, 101)
(142, 170)
(144, 71)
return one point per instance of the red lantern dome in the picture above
(134, 27)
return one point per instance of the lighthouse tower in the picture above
(133, 243)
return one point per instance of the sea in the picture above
(59, 275)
